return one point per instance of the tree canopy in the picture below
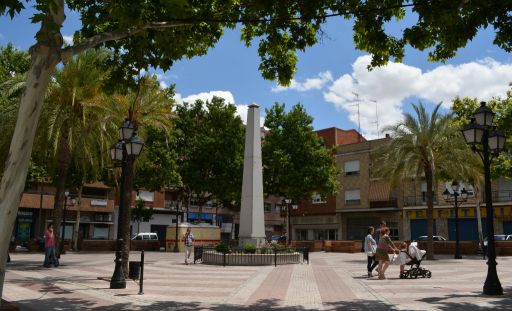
(210, 146)
(295, 162)
(463, 109)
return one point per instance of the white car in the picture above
(435, 238)
(145, 236)
(500, 237)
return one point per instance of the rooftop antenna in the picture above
(358, 116)
(376, 116)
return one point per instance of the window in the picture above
(325, 234)
(352, 196)
(267, 207)
(352, 168)
(393, 230)
(316, 198)
(146, 196)
(301, 234)
(208, 204)
(278, 208)
(100, 232)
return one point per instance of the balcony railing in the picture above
(502, 196)
(417, 200)
(383, 204)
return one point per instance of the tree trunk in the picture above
(430, 212)
(45, 57)
(64, 158)
(126, 223)
(77, 219)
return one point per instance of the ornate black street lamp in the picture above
(454, 198)
(129, 146)
(487, 141)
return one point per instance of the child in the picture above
(403, 257)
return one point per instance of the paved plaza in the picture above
(332, 281)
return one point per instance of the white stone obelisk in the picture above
(252, 218)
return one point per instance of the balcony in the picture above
(417, 200)
(384, 204)
(88, 203)
(502, 196)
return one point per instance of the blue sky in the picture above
(328, 77)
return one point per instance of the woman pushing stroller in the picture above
(385, 245)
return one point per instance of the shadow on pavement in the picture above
(68, 304)
(493, 302)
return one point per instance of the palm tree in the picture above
(71, 117)
(423, 147)
(148, 106)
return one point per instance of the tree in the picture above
(210, 146)
(442, 27)
(463, 109)
(72, 121)
(149, 108)
(429, 148)
(141, 214)
(295, 162)
(14, 65)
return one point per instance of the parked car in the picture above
(499, 237)
(145, 236)
(435, 238)
(277, 239)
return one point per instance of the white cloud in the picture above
(241, 109)
(208, 96)
(68, 39)
(316, 83)
(389, 88)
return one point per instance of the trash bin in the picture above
(134, 270)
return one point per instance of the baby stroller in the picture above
(412, 258)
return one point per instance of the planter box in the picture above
(216, 258)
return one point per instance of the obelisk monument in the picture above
(252, 219)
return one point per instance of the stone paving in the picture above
(332, 281)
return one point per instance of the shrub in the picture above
(249, 248)
(221, 248)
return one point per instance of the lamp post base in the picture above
(175, 249)
(492, 285)
(457, 256)
(118, 281)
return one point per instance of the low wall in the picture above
(503, 248)
(110, 245)
(448, 247)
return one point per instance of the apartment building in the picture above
(366, 200)
(96, 212)
(316, 219)
(415, 218)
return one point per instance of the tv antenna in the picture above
(358, 115)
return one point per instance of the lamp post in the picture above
(286, 203)
(294, 207)
(179, 211)
(63, 222)
(454, 198)
(487, 141)
(129, 145)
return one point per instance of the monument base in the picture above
(242, 241)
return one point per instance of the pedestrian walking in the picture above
(385, 245)
(49, 247)
(370, 247)
(188, 238)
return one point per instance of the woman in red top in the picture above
(49, 247)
